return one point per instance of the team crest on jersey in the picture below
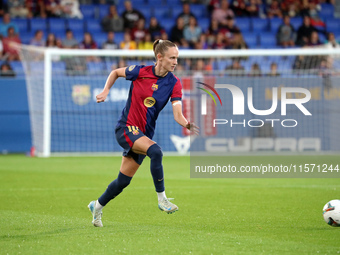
(149, 102)
(135, 132)
(131, 67)
(81, 94)
(154, 87)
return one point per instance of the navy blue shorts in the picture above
(126, 136)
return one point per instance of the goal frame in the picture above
(49, 53)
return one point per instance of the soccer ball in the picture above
(331, 213)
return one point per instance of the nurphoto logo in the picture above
(239, 105)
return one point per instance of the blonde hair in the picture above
(161, 46)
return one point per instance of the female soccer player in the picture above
(150, 90)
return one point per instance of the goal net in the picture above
(243, 100)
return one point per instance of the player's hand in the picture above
(193, 128)
(102, 96)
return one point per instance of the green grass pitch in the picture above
(44, 210)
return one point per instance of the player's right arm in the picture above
(111, 79)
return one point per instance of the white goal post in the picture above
(40, 75)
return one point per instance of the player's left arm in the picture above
(180, 119)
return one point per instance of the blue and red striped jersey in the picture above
(148, 95)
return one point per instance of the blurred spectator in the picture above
(273, 70)
(155, 29)
(177, 32)
(286, 35)
(253, 9)
(198, 70)
(38, 39)
(220, 42)
(221, 14)
(229, 30)
(331, 42)
(53, 8)
(6, 23)
(212, 32)
(1, 47)
(127, 43)
(88, 42)
(314, 39)
(3, 7)
(192, 32)
(76, 65)
(51, 41)
(186, 14)
(274, 10)
(147, 43)
(202, 44)
(131, 16)
(239, 8)
(304, 32)
(71, 9)
(164, 36)
(213, 4)
(10, 52)
(112, 22)
(325, 71)
(290, 8)
(238, 42)
(138, 33)
(235, 69)
(6, 70)
(69, 42)
(110, 43)
(255, 70)
(312, 10)
(18, 8)
(36, 8)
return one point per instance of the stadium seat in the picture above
(79, 36)
(58, 68)
(119, 37)
(256, 59)
(333, 25)
(204, 23)
(76, 25)
(93, 26)
(221, 64)
(167, 24)
(99, 38)
(17, 67)
(267, 40)
(275, 23)
(296, 22)
(327, 10)
(38, 24)
(251, 40)
(199, 10)
(156, 3)
(259, 25)
(175, 11)
(161, 12)
(22, 24)
(243, 24)
(322, 37)
(57, 25)
(88, 11)
(146, 11)
(95, 67)
(26, 37)
(103, 10)
(109, 65)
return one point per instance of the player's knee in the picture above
(155, 151)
